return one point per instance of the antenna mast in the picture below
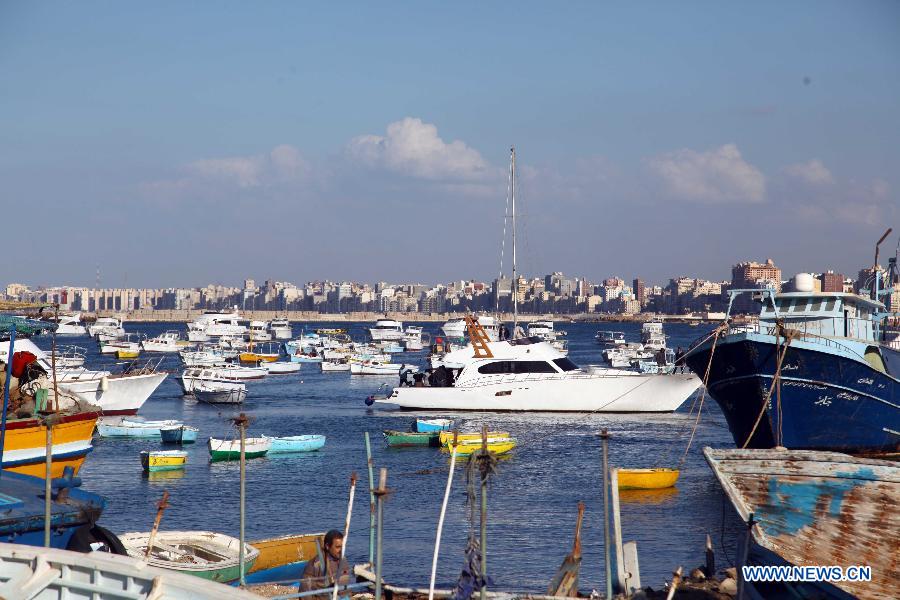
(515, 277)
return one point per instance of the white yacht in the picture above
(281, 329)
(70, 325)
(412, 339)
(528, 374)
(455, 329)
(213, 324)
(170, 341)
(610, 338)
(652, 336)
(106, 329)
(259, 332)
(541, 329)
(386, 330)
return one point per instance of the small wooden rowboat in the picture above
(178, 434)
(447, 436)
(284, 558)
(296, 443)
(231, 449)
(281, 368)
(403, 439)
(497, 446)
(647, 479)
(123, 354)
(163, 460)
(425, 425)
(255, 357)
(204, 554)
(125, 428)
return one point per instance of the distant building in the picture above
(832, 282)
(753, 275)
(637, 287)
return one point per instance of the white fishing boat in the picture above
(220, 393)
(455, 329)
(335, 365)
(652, 336)
(214, 324)
(67, 357)
(195, 377)
(70, 325)
(280, 368)
(114, 393)
(205, 554)
(106, 328)
(610, 338)
(40, 573)
(372, 367)
(281, 329)
(131, 342)
(258, 332)
(170, 341)
(206, 357)
(386, 330)
(413, 339)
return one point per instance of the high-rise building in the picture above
(637, 288)
(753, 275)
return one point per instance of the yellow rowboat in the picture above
(647, 479)
(163, 460)
(25, 446)
(283, 558)
(254, 357)
(120, 354)
(447, 436)
(497, 446)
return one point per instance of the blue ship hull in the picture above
(828, 401)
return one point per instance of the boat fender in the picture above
(370, 400)
(104, 384)
(92, 538)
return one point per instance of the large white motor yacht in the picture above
(528, 374)
(386, 330)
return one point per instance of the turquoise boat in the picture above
(178, 434)
(429, 425)
(135, 429)
(296, 443)
(405, 439)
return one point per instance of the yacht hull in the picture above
(617, 393)
(828, 401)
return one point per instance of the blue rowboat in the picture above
(178, 434)
(296, 443)
(429, 425)
(137, 429)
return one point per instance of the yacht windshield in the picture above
(565, 364)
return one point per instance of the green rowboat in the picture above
(231, 449)
(402, 439)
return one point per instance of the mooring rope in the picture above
(776, 379)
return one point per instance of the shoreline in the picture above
(186, 316)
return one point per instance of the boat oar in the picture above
(160, 508)
(440, 527)
(565, 582)
(337, 576)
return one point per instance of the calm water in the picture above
(532, 501)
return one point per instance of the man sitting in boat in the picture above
(317, 578)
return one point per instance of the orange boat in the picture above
(25, 444)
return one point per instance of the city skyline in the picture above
(307, 141)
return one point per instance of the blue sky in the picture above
(183, 143)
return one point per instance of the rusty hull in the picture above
(819, 508)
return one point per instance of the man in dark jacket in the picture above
(336, 569)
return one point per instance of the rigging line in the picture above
(503, 240)
(712, 352)
(780, 330)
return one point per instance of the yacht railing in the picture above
(143, 367)
(536, 377)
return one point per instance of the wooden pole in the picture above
(53, 362)
(484, 453)
(745, 553)
(604, 437)
(242, 427)
(710, 558)
(48, 478)
(440, 527)
(676, 581)
(337, 577)
(160, 508)
(371, 465)
(380, 494)
(619, 586)
(6, 389)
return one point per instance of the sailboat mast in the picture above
(515, 278)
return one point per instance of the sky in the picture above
(186, 143)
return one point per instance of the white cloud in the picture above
(412, 147)
(719, 176)
(284, 162)
(812, 172)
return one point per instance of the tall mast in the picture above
(515, 281)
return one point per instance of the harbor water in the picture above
(533, 499)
